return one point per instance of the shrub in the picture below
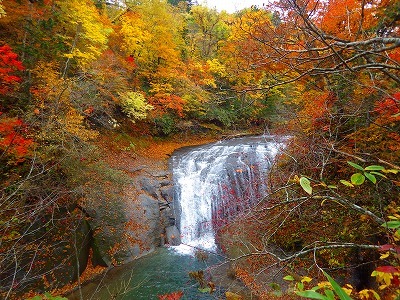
(134, 105)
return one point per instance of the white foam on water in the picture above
(212, 173)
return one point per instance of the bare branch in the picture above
(308, 249)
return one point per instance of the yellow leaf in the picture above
(347, 290)
(383, 286)
(306, 279)
(383, 256)
(233, 296)
(383, 278)
(296, 179)
(396, 236)
(81, 17)
(217, 68)
(324, 284)
(366, 294)
(349, 286)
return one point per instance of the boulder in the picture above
(58, 248)
(151, 216)
(107, 220)
(131, 225)
(150, 186)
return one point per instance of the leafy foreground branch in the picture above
(386, 276)
(328, 231)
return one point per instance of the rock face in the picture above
(59, 251)
(135, 223)
(173, 235)
(116, 221)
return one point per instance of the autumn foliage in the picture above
(171, 296)
(9, 64)
(12, 140)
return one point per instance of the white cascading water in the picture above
(218, 181)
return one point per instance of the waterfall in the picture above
(218, 181)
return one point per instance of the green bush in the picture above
(165, 125)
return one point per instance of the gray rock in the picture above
(167, 193)
(167, 217)
(173, 235)
(60, 248)
(163, 174)
(150, 186)
(151, 215)
(139, 168)
(165, 182)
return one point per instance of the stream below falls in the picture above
(213, 183)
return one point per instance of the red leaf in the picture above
(173, 296)
(389, 247)
(396, 281)
(387, 269)
(385, 247)
(9, 63)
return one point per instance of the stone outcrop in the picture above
(116, 223)
(58, 251)
(135, 223)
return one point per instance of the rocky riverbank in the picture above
(140, 219)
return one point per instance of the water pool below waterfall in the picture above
(213, 183)
(163, 271)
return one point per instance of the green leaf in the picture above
(391, 224)
(288, 278)
(276, 289)
(346, 183)
(377, 173)
(357, 179)
(306, 185)
(331, 186)
(374, 168)
(370, 177)
(339, 291)
(311, 294)
(354, 165)
(300, 286)
(275, 286)
(205, 290)
(330, 294)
